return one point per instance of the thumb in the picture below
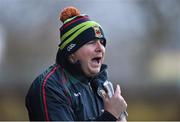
(118, 90)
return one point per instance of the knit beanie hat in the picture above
(77, 30)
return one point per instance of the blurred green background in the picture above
(143, 51)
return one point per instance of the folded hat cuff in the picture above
(86, 36)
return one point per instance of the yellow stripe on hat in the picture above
(73, 30)
(81, 27)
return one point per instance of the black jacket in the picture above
(58, 95)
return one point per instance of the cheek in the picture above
(84, 55)
(85, 59)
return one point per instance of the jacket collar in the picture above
(83, 78)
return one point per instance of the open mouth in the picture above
(96, 60)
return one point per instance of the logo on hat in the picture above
(70, 47)
(97, 31)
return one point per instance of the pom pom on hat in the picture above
(69, 12)
(77, 30)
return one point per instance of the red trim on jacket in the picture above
(44, 91)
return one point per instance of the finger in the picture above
(118, 90)
(123, 101)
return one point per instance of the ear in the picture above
(72, 58)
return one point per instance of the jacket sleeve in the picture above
(56, 103)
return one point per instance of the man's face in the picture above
(91, 57)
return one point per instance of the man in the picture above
(68, 89)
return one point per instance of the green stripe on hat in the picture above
(69, 19)
(73, 30)
(80, 28)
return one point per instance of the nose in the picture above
(99, 46)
